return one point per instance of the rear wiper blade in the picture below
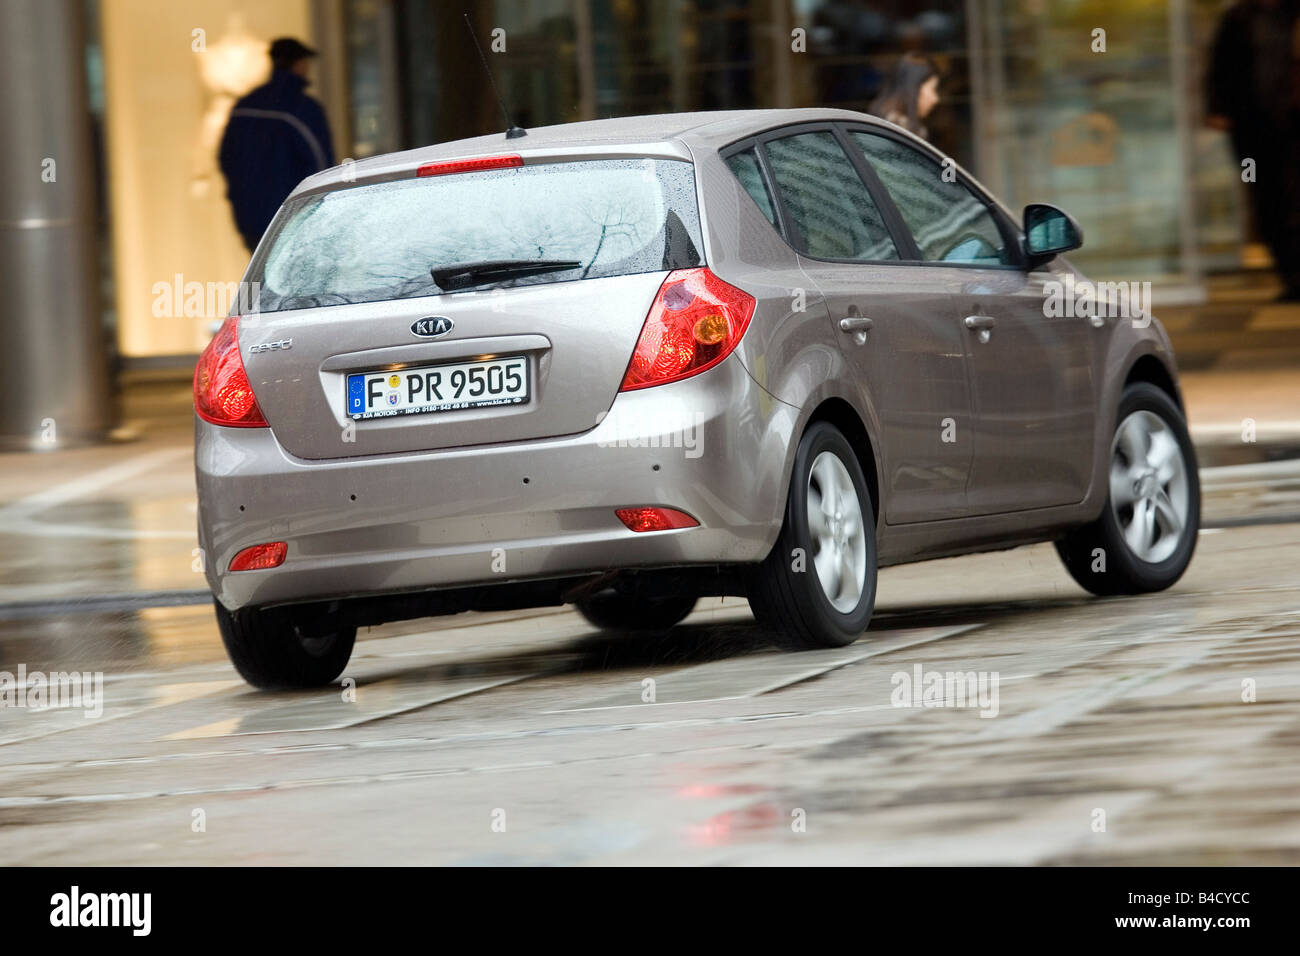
(462, 275)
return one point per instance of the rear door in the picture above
(355, 348)
(1031, 375)
(908, 360)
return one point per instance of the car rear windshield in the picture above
(384, 240)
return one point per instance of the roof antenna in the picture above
(512, 131)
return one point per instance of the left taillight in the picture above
(260, 557)
(695, 322)
(222, 393)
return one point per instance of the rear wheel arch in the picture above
(817, 586)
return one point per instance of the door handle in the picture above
(981, 322)
(856, 323)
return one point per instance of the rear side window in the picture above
(834, 216)
(948, 221)
(745, 165)
(383, 241)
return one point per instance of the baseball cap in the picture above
(289, 50)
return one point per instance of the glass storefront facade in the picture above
(568, 60)
(1108, 125)
(1036, 102)
(1029, 105)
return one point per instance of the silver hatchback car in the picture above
(627, 363)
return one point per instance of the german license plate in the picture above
(438, 388)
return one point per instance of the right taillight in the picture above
(222, 393)
(694, 323)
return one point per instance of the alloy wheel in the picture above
(838, 536)
(1148, 486)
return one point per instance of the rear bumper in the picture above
(711, 446)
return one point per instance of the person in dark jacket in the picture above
(1253, 93)
(276, 137)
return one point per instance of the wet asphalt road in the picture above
(524, 737)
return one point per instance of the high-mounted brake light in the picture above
(260, 557)
(222, 393)
(469, 165)
(695, 322)
(655, 519)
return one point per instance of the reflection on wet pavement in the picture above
(729, 680)
(118, 547)
(117, 703)
(322, 710)
(117, 641)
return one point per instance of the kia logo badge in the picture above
(432, 326)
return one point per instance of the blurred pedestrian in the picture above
(277, 135)
(909, 94)
(1253, 94)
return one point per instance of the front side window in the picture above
(576, 220)
(948, 221)
(833, 215)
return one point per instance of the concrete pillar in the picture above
(53, 361)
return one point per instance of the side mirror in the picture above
(1049, 232)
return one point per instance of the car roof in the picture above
(663, 127)
(664, 134)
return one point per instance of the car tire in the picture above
(612, 611)
(1146, 533)
(270, 650)
(817, 586)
